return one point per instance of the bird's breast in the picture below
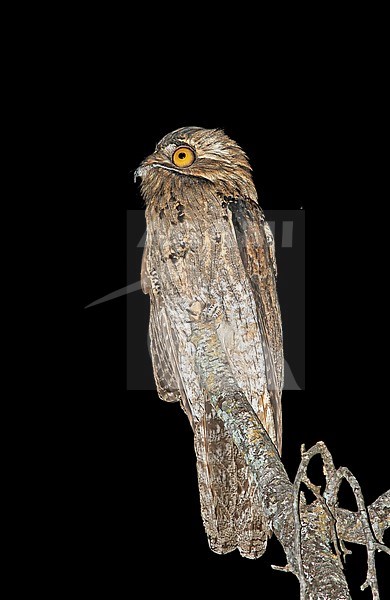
(193, 223)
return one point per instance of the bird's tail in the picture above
(229, 503)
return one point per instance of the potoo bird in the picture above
(209, 269)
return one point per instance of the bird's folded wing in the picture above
(255, 243)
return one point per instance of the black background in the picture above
(134, 488)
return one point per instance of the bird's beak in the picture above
(140, 172)
(144, 167)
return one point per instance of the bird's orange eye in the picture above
(183, 157)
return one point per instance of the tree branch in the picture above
(349, 524)
(310, 533)
(307, 543)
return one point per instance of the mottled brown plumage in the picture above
(209, 259)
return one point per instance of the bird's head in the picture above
(193, 155)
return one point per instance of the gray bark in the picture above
(349, 524)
